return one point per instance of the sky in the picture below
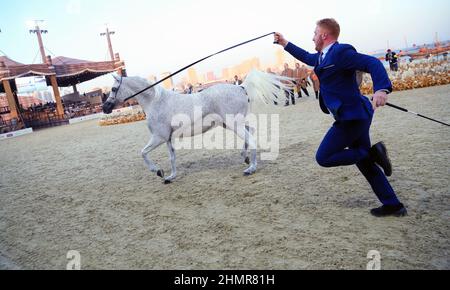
(162, 36)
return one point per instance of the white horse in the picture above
(161, 106)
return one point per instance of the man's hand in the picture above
(279, 39)
(379, 99)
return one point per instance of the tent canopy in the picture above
(68, 71)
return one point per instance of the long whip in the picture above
(192, 64)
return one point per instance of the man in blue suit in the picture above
(348, 140)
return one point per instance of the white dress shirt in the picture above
(325, 51)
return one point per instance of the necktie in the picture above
(321, 58)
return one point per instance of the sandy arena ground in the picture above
(85, 187)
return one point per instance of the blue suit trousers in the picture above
(348, 143)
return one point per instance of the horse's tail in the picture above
(270, 88)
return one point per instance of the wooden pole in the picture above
(108, 37)
(59, 105)
(41, 43)
(11, 101)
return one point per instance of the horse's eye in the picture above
(114, 90)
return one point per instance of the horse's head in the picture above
(118, 94)
(123, 88)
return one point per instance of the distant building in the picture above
(210, 77)
(280, 58)
(94, 97)
(242, 69)
(167, 84)
(71, 98)
(192, 76)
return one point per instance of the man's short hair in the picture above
(331, 25)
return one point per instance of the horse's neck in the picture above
(147, 101)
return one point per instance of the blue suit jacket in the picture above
(337, 75)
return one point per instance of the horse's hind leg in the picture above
(173, 159)
(243, 133)
(244, 152)
(154, 143)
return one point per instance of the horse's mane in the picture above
(139, 83)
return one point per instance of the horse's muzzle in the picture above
(108, 107)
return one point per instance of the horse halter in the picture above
(116, 90)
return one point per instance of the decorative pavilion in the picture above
(59, 72)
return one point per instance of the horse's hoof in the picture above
(160, 173)
(167, 181)
(247, 161)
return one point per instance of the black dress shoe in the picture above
(380, 156)
(390, 210)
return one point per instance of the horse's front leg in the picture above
(154, 143)
(173, 159)
(244, 155)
